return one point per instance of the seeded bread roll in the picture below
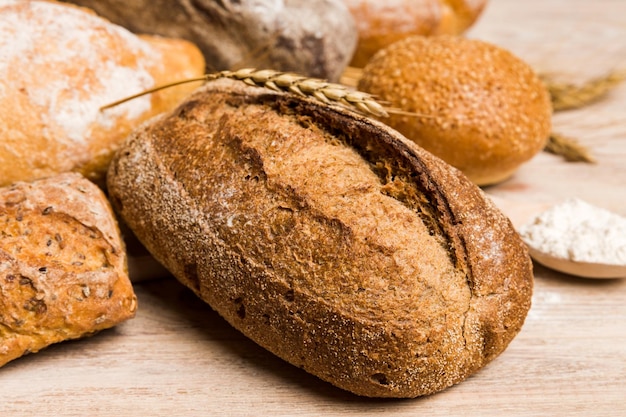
(381, 23)
(476, 105)
(326, 237)
(62, 265)
(58, 65)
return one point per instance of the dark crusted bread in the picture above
(312, 37)
(62, 264)
(326, 237)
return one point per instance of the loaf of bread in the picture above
(62, 265)
(473, 104)
(58, 65)
(312, 37)
(326, 237)
(381, 23)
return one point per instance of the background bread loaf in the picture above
(312, 37)
(62, 265)
(381, 23)
(59, 64)
(386, 272)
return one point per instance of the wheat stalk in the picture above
(566, 96)
(331, 93)
(568, 148)
(320, 90)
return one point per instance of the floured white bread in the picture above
(59, 64)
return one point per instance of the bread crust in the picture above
(473, 104)
(380, 24)
(62, 265)
(311, 37)
(327, 238)
(60, 64)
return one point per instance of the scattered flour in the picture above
(579, 231)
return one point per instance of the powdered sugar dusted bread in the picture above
(58, 65)
(62, 265)
(326, 237)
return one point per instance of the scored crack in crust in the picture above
(327, 238)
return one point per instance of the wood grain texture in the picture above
(177, 357)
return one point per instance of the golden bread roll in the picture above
(62, 265)
(475, 105)
(381, 23)
(59, 64)
(326, 237)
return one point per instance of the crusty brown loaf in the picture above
(381, 23)
(312, 37)
(475, 105)
(326, 237)
(62, 265)
(59, 64)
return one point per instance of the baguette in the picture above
(326, 237)
(62, 265)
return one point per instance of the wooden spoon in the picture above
(521, 213)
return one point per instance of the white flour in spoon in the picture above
(578, 231)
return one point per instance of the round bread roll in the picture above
(58, 65)
(380, 24)
(473, 104)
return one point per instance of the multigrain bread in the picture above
(62, 265)
(58, 65)
(473, 104)
(381, 23)
(326, 237)
(312, 37)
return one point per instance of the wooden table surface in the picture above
(177, 357)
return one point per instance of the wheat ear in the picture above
(567, 96)
(568, 148)
(320, 90)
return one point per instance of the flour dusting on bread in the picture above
(72, 35)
